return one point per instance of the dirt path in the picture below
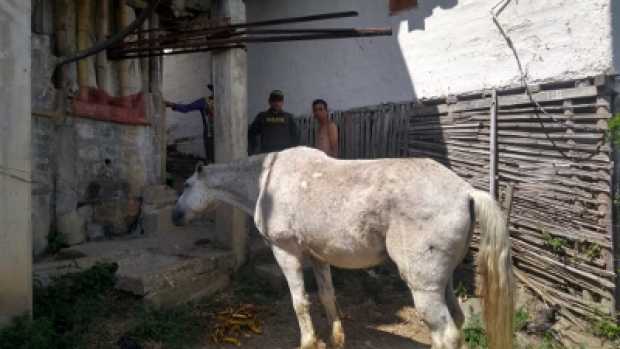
(378, 315)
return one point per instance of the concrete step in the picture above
(166, 270)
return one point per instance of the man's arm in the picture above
(333, 140)
(197, 105)
(255, 129)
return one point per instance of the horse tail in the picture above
(495, 269)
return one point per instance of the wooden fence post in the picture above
(493, 146)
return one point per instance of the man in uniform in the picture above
(275, 128)
(327, 136)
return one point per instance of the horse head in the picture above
(195, 199)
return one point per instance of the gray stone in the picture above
(85, 130)
(41, 222)
(95, 232)
(73, 226)
(43, 94)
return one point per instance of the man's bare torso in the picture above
(323, 139)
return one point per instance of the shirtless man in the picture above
(327, 136)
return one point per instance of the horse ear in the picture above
(199, 166)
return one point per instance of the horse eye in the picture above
(186, 185)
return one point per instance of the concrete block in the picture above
(73, 226)
(166, 280)
(157, 220)
(159, 195)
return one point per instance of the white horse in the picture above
(357, 213)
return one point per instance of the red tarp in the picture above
(96, 104)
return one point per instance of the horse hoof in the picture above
(316, 345)
(337, 340)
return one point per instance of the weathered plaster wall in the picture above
(442, 47)
(185, 80)
(15, 162)
(88, 176)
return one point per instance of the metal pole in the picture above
(493, 146)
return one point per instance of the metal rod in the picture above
(159, 53)
(249, 39)
(286, 20)
(201, 35)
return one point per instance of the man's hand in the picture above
(169, 104)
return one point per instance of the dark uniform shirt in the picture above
(277, 131)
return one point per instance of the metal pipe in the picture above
(247, 39)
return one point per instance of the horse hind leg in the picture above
(323, 275)
(431, 305)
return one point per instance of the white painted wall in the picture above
(185, 80)
(442, 47)
(15, 161)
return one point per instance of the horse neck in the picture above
(237, 183)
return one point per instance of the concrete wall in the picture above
(185, 80)
(442, 47)
(15, 162)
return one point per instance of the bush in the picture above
(63, 311)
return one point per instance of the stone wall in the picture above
(89, 176)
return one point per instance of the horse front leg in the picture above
(290, 261)
(323, 275)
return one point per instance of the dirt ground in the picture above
(378, 313)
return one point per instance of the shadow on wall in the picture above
(347, 73)
(425, 135)
(417, 17)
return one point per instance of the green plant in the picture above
(474, 333)
(175, 328)
(556, 244)
(591, 250)
(56, 241)
(613, 132)
(607, 328)
(63, 311)
(521, 318)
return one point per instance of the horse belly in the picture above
(350, 252)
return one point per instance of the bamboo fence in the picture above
(557, 164)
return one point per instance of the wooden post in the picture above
(230, 87)
(103, 31)
(493, 147)
(86, 74)
(123, 65)
(15, 159)
(64, 24)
